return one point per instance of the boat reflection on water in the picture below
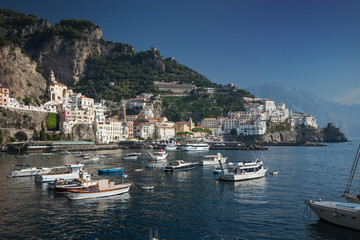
(120, 202)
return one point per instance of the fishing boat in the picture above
(25, 170)
(104, 189)
(352, 197)
(159, 155)
(213, 159)
(130, 156)
(240, 171)
(179, 165)
(69, 171)
(111, 170)
(339, 213)
(84, 181)
(195, 147)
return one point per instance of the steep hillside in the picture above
(80, 57)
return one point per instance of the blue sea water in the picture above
(184, 205)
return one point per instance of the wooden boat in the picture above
(105, 189)
(84, 181)
(179, 165)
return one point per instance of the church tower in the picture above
(122, 112)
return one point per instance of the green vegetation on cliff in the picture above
(203, 105)
(132, 74)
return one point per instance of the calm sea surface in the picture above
(184, 205)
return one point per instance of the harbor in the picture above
(200, 205)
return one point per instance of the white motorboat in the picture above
(105, 189)
(130, 156)
(26, 170)
(159, 155)
(157, 164)
(339, 213)
(91, 159)
(213, 159)
(195, 147)
(65, 152)
(69, 171)
(147, 187)
(239, 171)
(179, 165)
(170, 148)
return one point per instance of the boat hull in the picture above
(53, 177)
(195, 148)
(342, 214)
(29, 172)
(111, 170)
(73, 195)
(243, 177)
(179, 168)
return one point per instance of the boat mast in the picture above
(352, 172)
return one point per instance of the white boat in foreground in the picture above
(70, 171)
(195, 147)
(213, 159)
(26, 170)
(339, 213)
(240, 171)
(105, 189)
(352, 197)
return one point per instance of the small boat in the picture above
(147, 146)
(25, 170)
(84, 181)
(179, 165)
(104, 189)
(339, 213)
(159, 155)
(212, 159)
(130, 156)
(111, 170)
(90, 160)
(22, 156)
(147, 187)
(138, 170)
(217, 170)
(239, 171)
(195, 147)
(275, 173)
(109, 155)
(101, 156)
(170, 148)
(65, 152)
(46, 154)
(157, 164)
(69, 171)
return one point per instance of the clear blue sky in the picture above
(311, 44)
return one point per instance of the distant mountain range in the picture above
(344, 116)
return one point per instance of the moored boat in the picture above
(84, 181)
(159, 155)
(69, 171)
(195, 147)
(104, 189)
(25, 170)
(179, 165)
(240, 171)
(212, 159)
(339, 213)
(130, 156)
(170, 147)
(111, 170)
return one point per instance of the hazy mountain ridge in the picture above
(343, 116)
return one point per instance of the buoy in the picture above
(162, 184)
(141, 173)
(216, 182)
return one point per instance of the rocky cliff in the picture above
(18, 73)
(297, 136)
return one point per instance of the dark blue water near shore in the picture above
(184, 205)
